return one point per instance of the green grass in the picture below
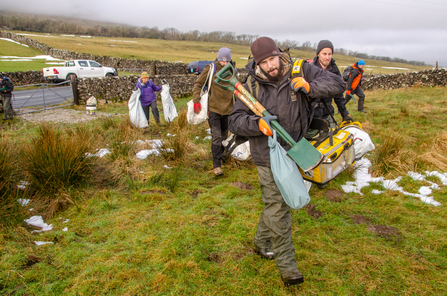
(188, 51)
(9, 49)
(142, 229)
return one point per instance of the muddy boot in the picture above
(292, 277)
(218, 171)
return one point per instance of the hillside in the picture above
(186, 51)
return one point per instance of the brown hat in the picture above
(144, 75)
(263, 48)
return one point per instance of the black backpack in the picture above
(346, 73)
(8, 81)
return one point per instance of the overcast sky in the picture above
(408, 29)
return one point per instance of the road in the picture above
(41, 97)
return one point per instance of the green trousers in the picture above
(7, 108)
(275, 224)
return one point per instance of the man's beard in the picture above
(278, 76)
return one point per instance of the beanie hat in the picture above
(224, 55)
(144, 75)
(324, 44)
(263, 48)
(361, 62)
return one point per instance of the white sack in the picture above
(362, 141)
(136, 112)
(169, 110)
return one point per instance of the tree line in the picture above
(33, 24)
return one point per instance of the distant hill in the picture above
(63, 25)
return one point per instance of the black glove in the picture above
(348, 119)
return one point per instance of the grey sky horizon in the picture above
(407, 29)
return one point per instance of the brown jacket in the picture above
(220, 101)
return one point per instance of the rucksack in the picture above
(347, 73)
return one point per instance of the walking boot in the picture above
(218, 171)
(265, 253)
(363, 111)
(292, 277)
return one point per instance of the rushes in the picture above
(11, 210)
(56, 160)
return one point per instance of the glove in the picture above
(348, 92)
(197, 108)
(348, 119)
(264, 125)
(299, 83)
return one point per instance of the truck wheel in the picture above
(70, 75)
(109, 75)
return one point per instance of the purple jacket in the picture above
(147, 92)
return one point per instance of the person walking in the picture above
(284, 94)
(148, 97)
(6, 94)
(354, 85)
(324, 60)
(220, 103)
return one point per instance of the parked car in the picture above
(78, 69)
(195, 68)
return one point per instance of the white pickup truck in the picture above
(79, 69)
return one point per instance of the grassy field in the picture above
(187, 51)
(137, 227)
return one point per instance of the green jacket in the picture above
(220, 101)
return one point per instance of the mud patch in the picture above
(334, 195)
(243, 186)
(31, 260)
(385, 231)
(195, 193)
(214, 257)
(312, 212)
(359, 219)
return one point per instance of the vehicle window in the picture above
(94, 64)
(71, 63)
(83, 63)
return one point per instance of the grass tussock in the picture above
(12, 211)
(56, 160)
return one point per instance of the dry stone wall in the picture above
(120, 88)
(426, 78)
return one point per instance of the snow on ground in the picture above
(10, 40)
(363, 179)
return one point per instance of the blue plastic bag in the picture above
(287, 176)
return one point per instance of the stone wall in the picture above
(426, 78)
(120, 88)
(152, 67)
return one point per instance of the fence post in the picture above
(74, 87)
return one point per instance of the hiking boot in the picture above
(265, 253)
(218, 171)
(292, 277)
(363, 111)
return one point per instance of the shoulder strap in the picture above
(296, 69)
(253, 85)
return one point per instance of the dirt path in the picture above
(61, 115)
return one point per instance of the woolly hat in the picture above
(324, 44)
(361, 62)
(144, 75)
(263, 48)
(224, 55)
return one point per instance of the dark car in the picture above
(195, 68)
